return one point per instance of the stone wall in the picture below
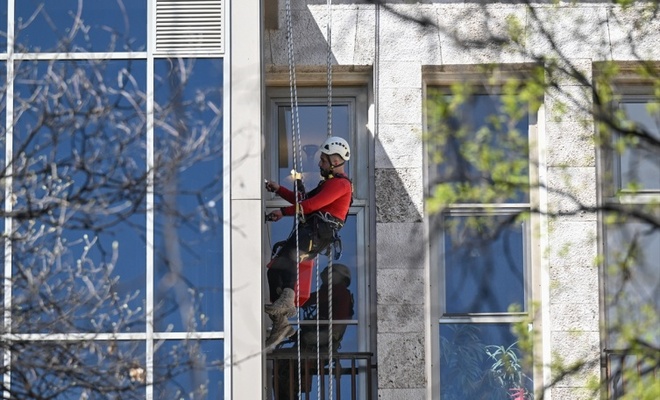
(391, 40)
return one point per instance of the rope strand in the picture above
(331, 254)
(295, 132)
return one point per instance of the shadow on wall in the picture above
(308, 36)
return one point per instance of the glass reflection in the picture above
(481, 144)
(78, 246)
(188, 195)
(3, 125)
(482, 362)
(632, 283)
(78, 369)
(348, 258)
(80, 26)
(484, 265)
(639, 164)
(191, 369)
(3, 27)
(313, 131)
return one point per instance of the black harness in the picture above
(314, 219)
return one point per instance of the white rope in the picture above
(329, 66)
(297, 164)
(295, 143)
(331, 254)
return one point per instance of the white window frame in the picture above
(434, 77)
(356, 99)
(629, 88)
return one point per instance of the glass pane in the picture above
(313, 132)
(349, 259)
(633, 283)
(78, 249)
(192, 369)
(78, 370)
(478, 145)
(629, 373)
(3, 142)
(482, 362)
(640, 164)
(188, 195)
(3, 27)
(79, 26)
(484, 265)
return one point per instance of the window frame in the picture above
(489, 83)
(146, 336)
(628, 87)
(357, 98)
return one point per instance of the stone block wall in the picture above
(388, 39)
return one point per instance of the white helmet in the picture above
(340, 272)
(336, 145)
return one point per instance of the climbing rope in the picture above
(331, 253)
(297, 165)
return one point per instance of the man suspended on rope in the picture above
(324, 212)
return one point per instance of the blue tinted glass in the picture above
(632, 283)
(482, 361)
(640, 164)
(313, 132)
(192, 369)
(75, 26)
(66, 370)
(188, 195)
(79, 182)
(484, 265)
(480, 124)
(3, 26)
(3, 116)
(350, 256)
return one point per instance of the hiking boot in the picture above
(284, 305)
(281, 330)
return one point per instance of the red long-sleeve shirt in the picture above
(333, 196)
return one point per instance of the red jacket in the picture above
(332, 196)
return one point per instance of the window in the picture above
(81, 26)
(113, 160)
(349, 115)
(479, 179)
(631, 240)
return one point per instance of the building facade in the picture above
(426, 293)
(138, 134)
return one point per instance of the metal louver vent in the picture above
(185, 26)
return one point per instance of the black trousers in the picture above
(314, 236)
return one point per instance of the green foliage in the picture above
(516, 29)
(507, 367)
(487, 163)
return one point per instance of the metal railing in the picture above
(624, 369)
(350, 374)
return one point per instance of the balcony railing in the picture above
(349, 376)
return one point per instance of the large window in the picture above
(113, 175)
(631, 241)
(349, 113)
(481, 232)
